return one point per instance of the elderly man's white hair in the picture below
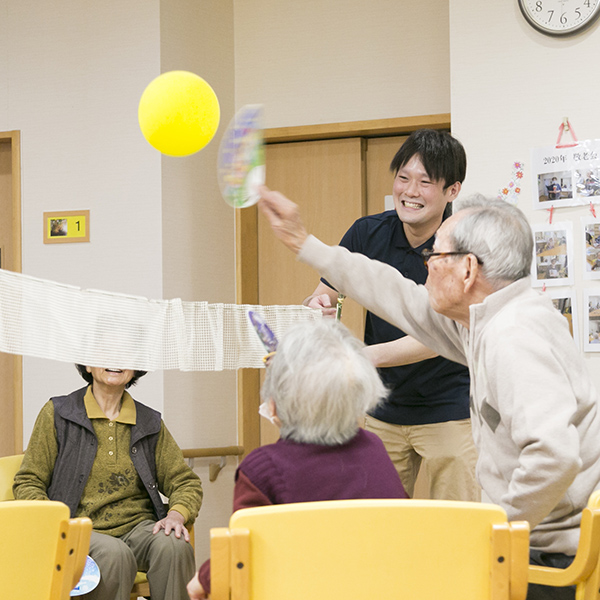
(499, 234)
(321, 383)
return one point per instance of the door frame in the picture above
(246, 237)
(14, 139)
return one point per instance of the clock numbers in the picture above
(560, 17)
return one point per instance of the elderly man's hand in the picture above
(174, 521)
(284, 217)
(195, 590)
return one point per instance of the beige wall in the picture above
(329, 61)
(511, 88)
(197, 225)
(198, 248)
(71, 75)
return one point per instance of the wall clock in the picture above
(560, 17)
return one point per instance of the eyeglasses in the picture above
(427, 254)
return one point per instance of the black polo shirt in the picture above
(431, 391)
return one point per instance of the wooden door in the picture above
(11, 394)
(326, 179)
(380, 179)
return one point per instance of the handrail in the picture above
(223, 452)
(204, 452)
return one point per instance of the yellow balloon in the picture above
(179, 113)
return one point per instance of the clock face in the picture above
(560, 17)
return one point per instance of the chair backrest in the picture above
(382, 549)
(584, 571)
(594, 500)
(43, 552)
(9, 465)
(78, 545)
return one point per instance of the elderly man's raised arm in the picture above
(385, 292)
(284, 218)
(378, 287)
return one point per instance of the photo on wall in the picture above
(555, 188)
(565, 303)
(591, 253)
(58, 227)
(587, 184)
(553, 260)
(591, 342)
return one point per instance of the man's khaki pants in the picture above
(446, 449)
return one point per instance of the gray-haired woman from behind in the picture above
(318, 386)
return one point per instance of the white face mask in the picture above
(266, 410)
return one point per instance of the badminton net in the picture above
(45, 319)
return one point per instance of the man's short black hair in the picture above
(443, 156)
(88, 376)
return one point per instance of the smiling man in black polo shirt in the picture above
(426, 416)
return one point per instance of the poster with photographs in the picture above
(566, 176)
(591, 332)
(591, 253)
(553, 260)
(587, 184)
(565, 303)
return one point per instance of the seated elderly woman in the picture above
(318, 386)
(107, 457)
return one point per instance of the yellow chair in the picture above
(9, 465)
(384, 549)
(584, 571)
(43, 552)
(141, 587)
(80, 532)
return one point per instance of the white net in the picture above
(46, 319)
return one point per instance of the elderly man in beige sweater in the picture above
(534, 408)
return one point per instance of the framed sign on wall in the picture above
(66, 226)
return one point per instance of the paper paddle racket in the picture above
(90, 578)
(241, 163)
(270, 342)
(267, 337)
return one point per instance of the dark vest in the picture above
(77, 445)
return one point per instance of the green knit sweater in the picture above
(114, 496)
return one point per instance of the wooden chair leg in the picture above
(141, 587)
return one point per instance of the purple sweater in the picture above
(289, 471)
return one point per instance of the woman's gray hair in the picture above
(499, 234)
(321, 383)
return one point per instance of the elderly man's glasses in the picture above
(427, 254)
